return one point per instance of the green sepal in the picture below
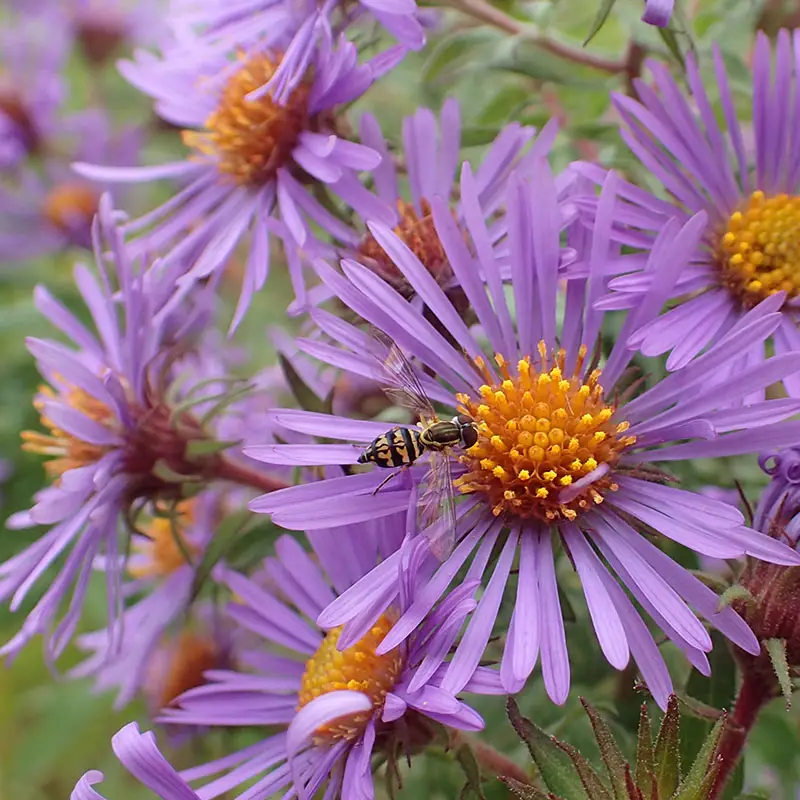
(645, 757)
(165, 473)
(733, 593)
(202, 448)
(591, 781)
(554, 765)
(777, 655)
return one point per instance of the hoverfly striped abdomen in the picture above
(398, 447)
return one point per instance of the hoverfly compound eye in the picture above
(469, 434)
(463, 419)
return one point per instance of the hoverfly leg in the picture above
(389, 477)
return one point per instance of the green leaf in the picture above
(466, 759)
(700, 778)
(609, 750)
(645, 756)
(599, 20)
(305, 396)
(667, 753)
(540, 65)
(522, 791)
(225, 537)
(590, 780)
(670, 39)
(777, 655)
(554, 764)
(451, 50)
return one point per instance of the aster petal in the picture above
(553, 643)
(321, 711)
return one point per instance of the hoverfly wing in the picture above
(404, 387)
(436, 506)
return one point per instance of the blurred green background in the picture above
(53, 729)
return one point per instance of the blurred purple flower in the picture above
(751, 242)
(338, 701)
(50, 208)
(34, 50)
(778, 508)
(246, 155)
(160, 585)
(112, 436)
(556, 447)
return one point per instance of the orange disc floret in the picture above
(251, 139)
(540, 431)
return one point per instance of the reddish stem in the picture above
(485, 12)
(490, 760)
(754, 693)
(236, 473)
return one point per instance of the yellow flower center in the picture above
(419, 234)
(356, 669)
(539, 433)
(67, 450)
(191, 655)
(162, 551)
(759, 253)
(70, 204)
(251, 139)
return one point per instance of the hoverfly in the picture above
(401, 447)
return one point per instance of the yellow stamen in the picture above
(357, 669)
(161, 553)
(759, 252)
(540, 432)
(251, 139)
(69, 451)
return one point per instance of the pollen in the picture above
(67, 451)
(165, 548)
(251, 139)
(540, 432)
(190, 656)
(356, 669)
(69, 206)
(418, 233)
(759, 252)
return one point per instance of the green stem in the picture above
(489, 759)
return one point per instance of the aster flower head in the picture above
(749, 247)
(407, 180)
(114, 438)
(562, 447)
(250, 158)
(337, 701)
(49, 208)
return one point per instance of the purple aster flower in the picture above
(33, 50)
(562, 445)
(118, 432)
(750, 244)
(250, 159)
(139, 754)
(431, 155)
(337, 705)
(658, 12)
(50, 208)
